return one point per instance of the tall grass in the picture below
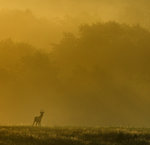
(73, 136)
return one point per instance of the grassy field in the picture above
(73, 136)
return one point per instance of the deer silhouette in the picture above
(38, 119)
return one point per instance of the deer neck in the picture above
(41, 115)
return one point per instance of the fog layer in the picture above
(82, 62)
(100, 77)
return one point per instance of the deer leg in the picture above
(39, 123)
(36, 123)
(33, 123)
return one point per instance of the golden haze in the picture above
(97, 73)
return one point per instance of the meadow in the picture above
(17, 135)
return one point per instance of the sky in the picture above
(124, 11)
(72, 7)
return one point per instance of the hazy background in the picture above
(67, 58)
(41, 23)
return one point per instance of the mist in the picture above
(85, 63)
(121, 10)
(42, 23)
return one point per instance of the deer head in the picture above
(42, 112)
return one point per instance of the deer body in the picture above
(38, 119)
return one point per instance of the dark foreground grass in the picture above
(73, 136)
